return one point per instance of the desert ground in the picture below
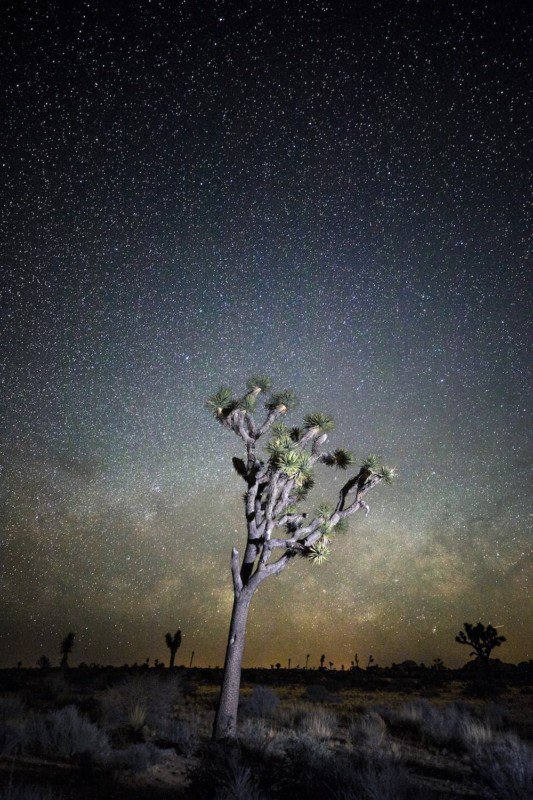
(402, 733)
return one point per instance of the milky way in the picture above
(193, 192)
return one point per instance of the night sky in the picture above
(194, 192)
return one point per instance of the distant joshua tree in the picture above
(330, 664)
(307, 660)
(192, 659)
(43, 662)
(288, 663)
(277, 531)
(322, 660)
(356, 661)
(481, 639)
(173, 643)
(278, 665)
(66, 648)
(370, 661)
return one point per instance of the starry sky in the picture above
(334, 195)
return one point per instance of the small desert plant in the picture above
(142, 700)
(263, 702)
(238, 784)
(64, 734)
(369, 730)
(506, 765)
(319, 724)
(136, 757)
(183, 733)
(317, 694)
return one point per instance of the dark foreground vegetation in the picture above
(375, 734)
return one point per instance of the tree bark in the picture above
(225, 725)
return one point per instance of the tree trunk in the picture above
(225, 725)
(172, 657)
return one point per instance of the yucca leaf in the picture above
(320, 421)
(388, 474)
(372, 462)
(343, 458)
(295, 434)
(318, 553)
(248, 403)
(261, 382)
(220, 401)
(285, 400)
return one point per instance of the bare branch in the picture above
(271, 418)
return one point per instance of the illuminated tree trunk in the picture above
(225, 726)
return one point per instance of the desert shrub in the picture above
(63, 734)
(238, 783)
(386, 780)
(183, 733)
(263, 702)
(136, 758)
(145, 699)
(369, 730)
(256, 734)
(316, 693)
(318, 724)
(506, 765)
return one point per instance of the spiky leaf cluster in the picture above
(343, 458)
(286, 399)
(372, 463)
(248, 403)
(295, 465)
(301, 492)
(261, 382)
(388, 474)
(325, 510)
(319, 421)
(278, 446)
(319, 552)
(220, 401)
(295, 433)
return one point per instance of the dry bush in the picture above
(369, 730)
(136, 758)
(142, 700)
(506, 765)
(319, 724)
(63, 734)
(263, 702)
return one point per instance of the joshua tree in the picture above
(66, 648)
(481, 639)
(192, 659)
(43, 662)
(173, 643)
(278, 665)
(322, 660)
(289, 664)
(277, 531)
(307, 660)
(370, 661)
